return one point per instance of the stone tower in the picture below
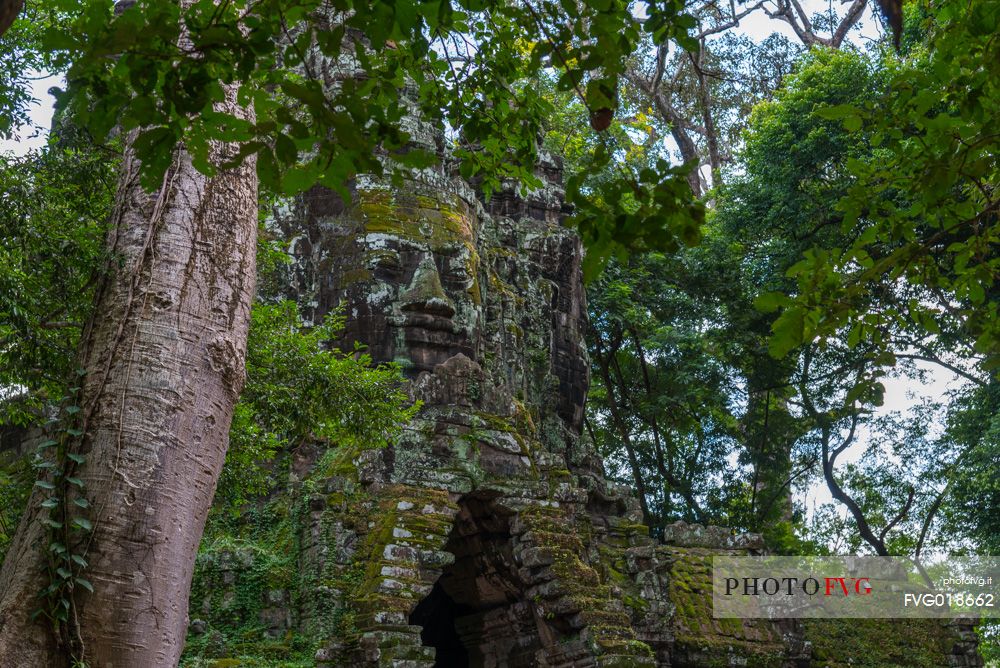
(487, 535)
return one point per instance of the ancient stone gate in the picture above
(488, 534)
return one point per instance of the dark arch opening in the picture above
(437, 614)
(476, 612)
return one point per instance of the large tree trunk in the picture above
(164, 360)
(9, 9)
(771, 433)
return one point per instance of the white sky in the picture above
(41, 117)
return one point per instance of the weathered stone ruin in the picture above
(483, 536)
(488, 534)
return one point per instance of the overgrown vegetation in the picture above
(300, 391)
(784, 225)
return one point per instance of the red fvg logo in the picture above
(842, 586)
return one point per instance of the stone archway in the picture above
(477, 615)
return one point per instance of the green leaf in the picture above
(298, 179)
(769, 302)
(788, 332)
(82, 523)
(285, 150)
(837, 112)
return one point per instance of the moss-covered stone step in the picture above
(600, 615)
(625, 661)
(561, 539)
(398, 647)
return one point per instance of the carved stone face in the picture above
(409, 284)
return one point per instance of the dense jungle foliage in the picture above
(781, 230)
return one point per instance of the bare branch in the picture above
(854, 13)
(733, 21)
(933, 359)
(661, 66)
(806, 23)
(678, 125)
(829, 458)
(784, 13)
(847, 440)
(899, 517)
(929, 519)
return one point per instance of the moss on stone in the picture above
(879, 643)
(355, 276)
(707, 640)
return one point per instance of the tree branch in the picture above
(929, 519)
(829, 459)
(733, 21)
(940, 362)
(898, 518)
(678, 125)
(854, 13)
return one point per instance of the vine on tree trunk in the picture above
(67, 523)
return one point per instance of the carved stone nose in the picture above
(425, 293)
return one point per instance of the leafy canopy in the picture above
(300, 390)
(921, 210)
(53, 211)
(325, 82)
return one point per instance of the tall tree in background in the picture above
(782, 205)
(684, 331)
(777, 211)
(912, 275)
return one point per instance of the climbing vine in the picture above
(67, 522)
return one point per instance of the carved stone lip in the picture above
(430, 322)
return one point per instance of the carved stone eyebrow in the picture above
(383, 255)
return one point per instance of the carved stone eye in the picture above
(386, 263)
(458, 273)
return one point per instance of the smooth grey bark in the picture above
(164, 356)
